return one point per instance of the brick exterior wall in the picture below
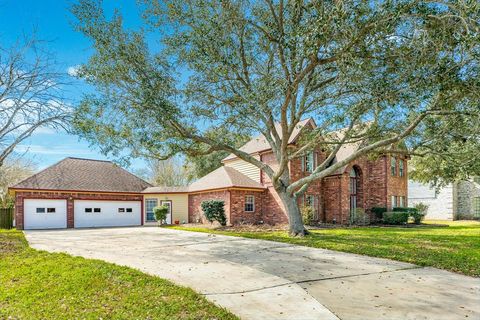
(234, 205)
(70, 197)
(195, 213)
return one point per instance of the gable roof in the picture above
(260, 143)
(75, 174)
(224, 177)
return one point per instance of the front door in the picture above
(168, 204)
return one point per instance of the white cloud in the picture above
(54, 150)
(73, 70)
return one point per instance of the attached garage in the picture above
(79, 193)
(45, 214)
(90, 213)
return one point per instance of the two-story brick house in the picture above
(365, 183)
(88, 193)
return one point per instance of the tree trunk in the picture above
(296, 227)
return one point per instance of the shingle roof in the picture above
(164, 189)
(224, 177)
(84, 175)
(260, 143)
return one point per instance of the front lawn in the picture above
(455, 248)
(40, 285)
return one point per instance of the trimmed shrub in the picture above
(214, 211)
(308, 215)
(405, 209)
(395, 217)
(359, 217)
(421, 211)
(378, 212)
(160, 213)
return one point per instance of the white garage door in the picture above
(44, 214)
(90, 213)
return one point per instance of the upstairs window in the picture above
(309, 162)
(393, 166)
(249, 203)
(401, 171)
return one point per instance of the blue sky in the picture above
(52, 21)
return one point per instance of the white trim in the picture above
(253, 203)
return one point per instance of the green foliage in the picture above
(199, 165)
(308, 215)
(359, 217)
(439, 247)
(405, 209)
(395, 217)
(421, 207)
(421, 212)
(378, 212)
(214, 211)
(251, 64)
(42, 285)
(160, 213)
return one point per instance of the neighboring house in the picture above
(460, 200)
(77, 188)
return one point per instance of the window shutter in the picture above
(303, 163)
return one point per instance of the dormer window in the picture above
(309, 162)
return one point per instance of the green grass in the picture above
(455, 248)
(40, 285)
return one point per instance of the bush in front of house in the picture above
(422, 209)
(378, 212)
(416, 214)
(395, 217)
(308, 215)
(160, 213)
(359, 217)
(214, 211)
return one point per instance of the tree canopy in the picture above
(408, 68)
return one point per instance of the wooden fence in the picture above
(6, 218)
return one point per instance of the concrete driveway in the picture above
(258, 279)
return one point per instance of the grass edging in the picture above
(41, 285)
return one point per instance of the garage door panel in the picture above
(45, 214)
(91, 213)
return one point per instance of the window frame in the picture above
(309, 160)
(401, 168)
(248, 203)
(476, 206)
(394, 202)
(393, 166)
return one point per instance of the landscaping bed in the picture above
(455, 247)
(39, 285)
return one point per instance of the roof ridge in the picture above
(228, 173)
(87, 159)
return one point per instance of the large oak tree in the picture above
(405, 67)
